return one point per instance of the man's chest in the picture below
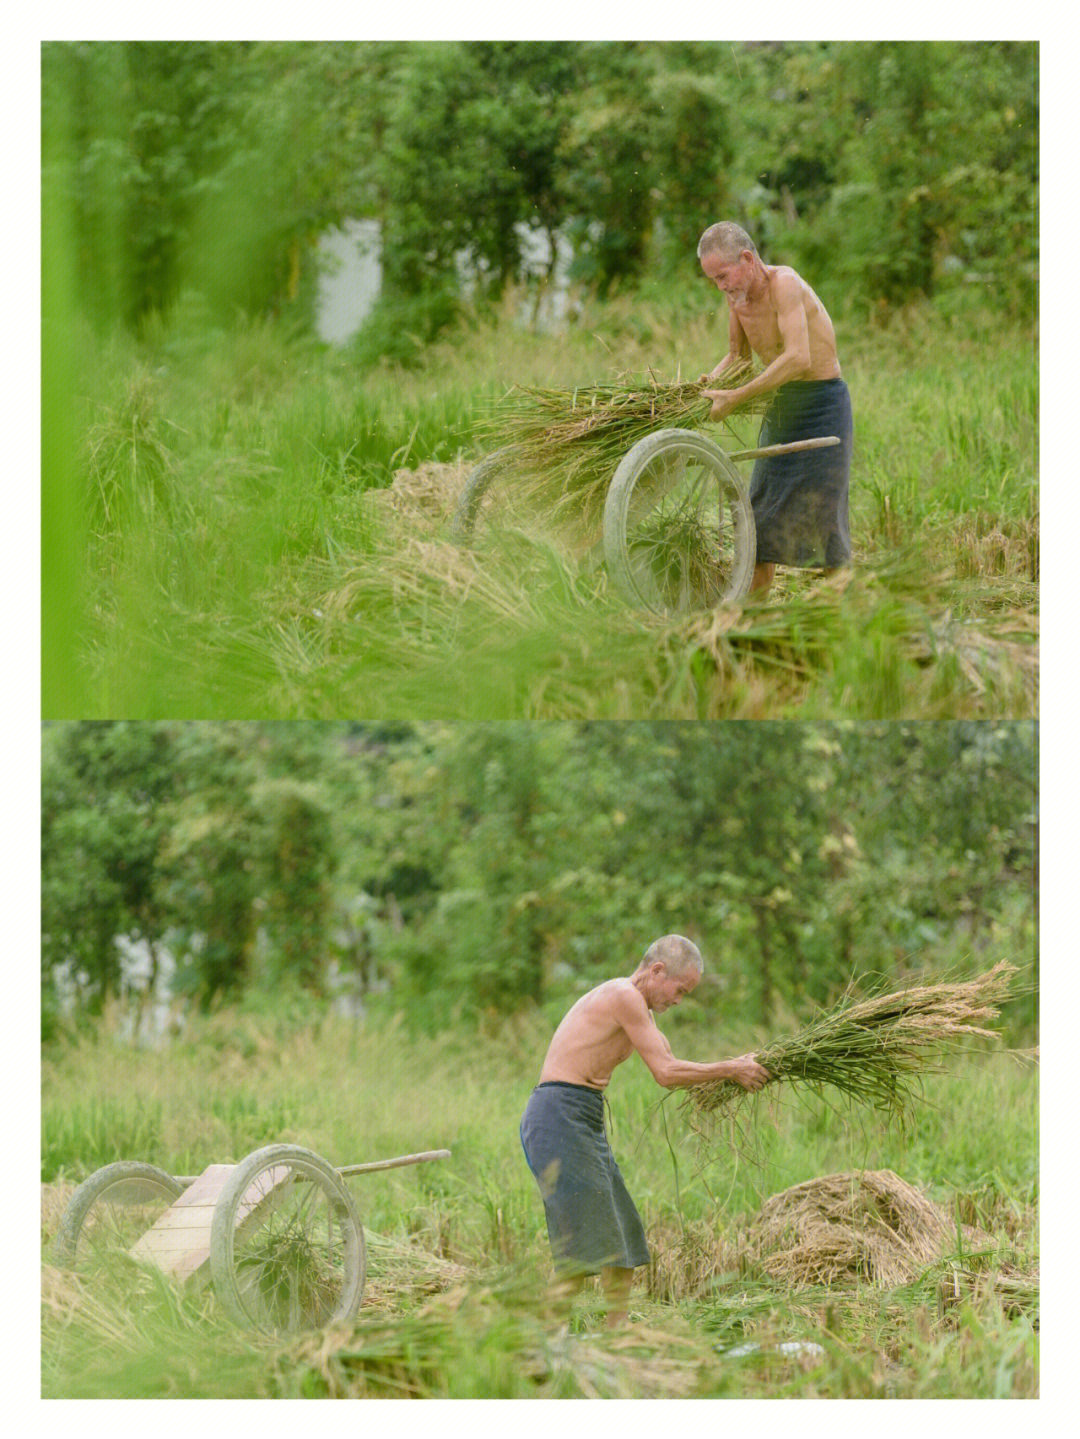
(758, 324)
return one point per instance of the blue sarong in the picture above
(591, 1220)
(800, 501)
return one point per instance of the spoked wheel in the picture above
(484, 501)
(678, 526)
(286, 1246)
(109, 1211)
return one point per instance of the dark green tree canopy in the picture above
(495, 864)
(887, 168)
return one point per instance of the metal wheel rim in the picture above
(684, 532)
(108, 1213)
(295, 1264)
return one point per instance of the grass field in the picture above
(457, 1249)
(248, 551)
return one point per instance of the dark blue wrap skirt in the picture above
(800, 501)
(591, 1220)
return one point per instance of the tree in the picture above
(106, 791)
(884, 167)
(138, 130)
(298, 862)
(504, 863)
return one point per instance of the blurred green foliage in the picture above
(484, 868)
(890, 169)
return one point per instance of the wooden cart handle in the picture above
(394, 1163)
(821, 443)
(188, 1179)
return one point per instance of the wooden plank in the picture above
(179, 1242)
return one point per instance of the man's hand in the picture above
(724, 401)
(746, 1071)
(717, 370)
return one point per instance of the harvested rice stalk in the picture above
(872, 1050)
(567, 444)
(865, 1225)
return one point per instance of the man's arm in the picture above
(632, 1013)
(738, 349)
(792, 361)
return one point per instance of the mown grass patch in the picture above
(266, 534)
(457, 1250)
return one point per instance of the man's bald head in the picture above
(725, 239)
(677, 954)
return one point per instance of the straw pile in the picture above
(400, 1267)
(868, 1225)
(567, 444)
(874, 1050)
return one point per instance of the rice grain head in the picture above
(873, 1050)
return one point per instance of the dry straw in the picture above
(567, 444)
(874, 1050)
(867, 1225)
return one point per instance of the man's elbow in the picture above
(666, 1075)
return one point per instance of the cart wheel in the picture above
(481, 501)
(286, 1246)
(678, 526)
(109, 1211)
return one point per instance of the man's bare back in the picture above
(590, 1041)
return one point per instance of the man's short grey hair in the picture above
(727, 239)
(677, 954)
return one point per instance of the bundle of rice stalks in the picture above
(869, 1225)
(567, 444)
(686, 1259)
(873, 1050)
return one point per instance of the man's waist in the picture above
(569, 1084)
(811, 381)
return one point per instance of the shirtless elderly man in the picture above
(800, 500)
(592, 1223)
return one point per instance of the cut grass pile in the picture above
(457, 1252)
(874, 1050)
(223, 486)
(515, 627)
(867, 1225)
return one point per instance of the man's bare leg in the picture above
(763, 578)
(562, 1294)
(617, 1294)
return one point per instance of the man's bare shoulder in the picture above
(608, 991)
(626, 1000)
(613, 996)
(783, 280)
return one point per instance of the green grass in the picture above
(243, 555)
(457, 1250)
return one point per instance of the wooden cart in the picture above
(678, 525)
(278, 1234)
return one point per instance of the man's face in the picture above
(670, 989)
(732, 275)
